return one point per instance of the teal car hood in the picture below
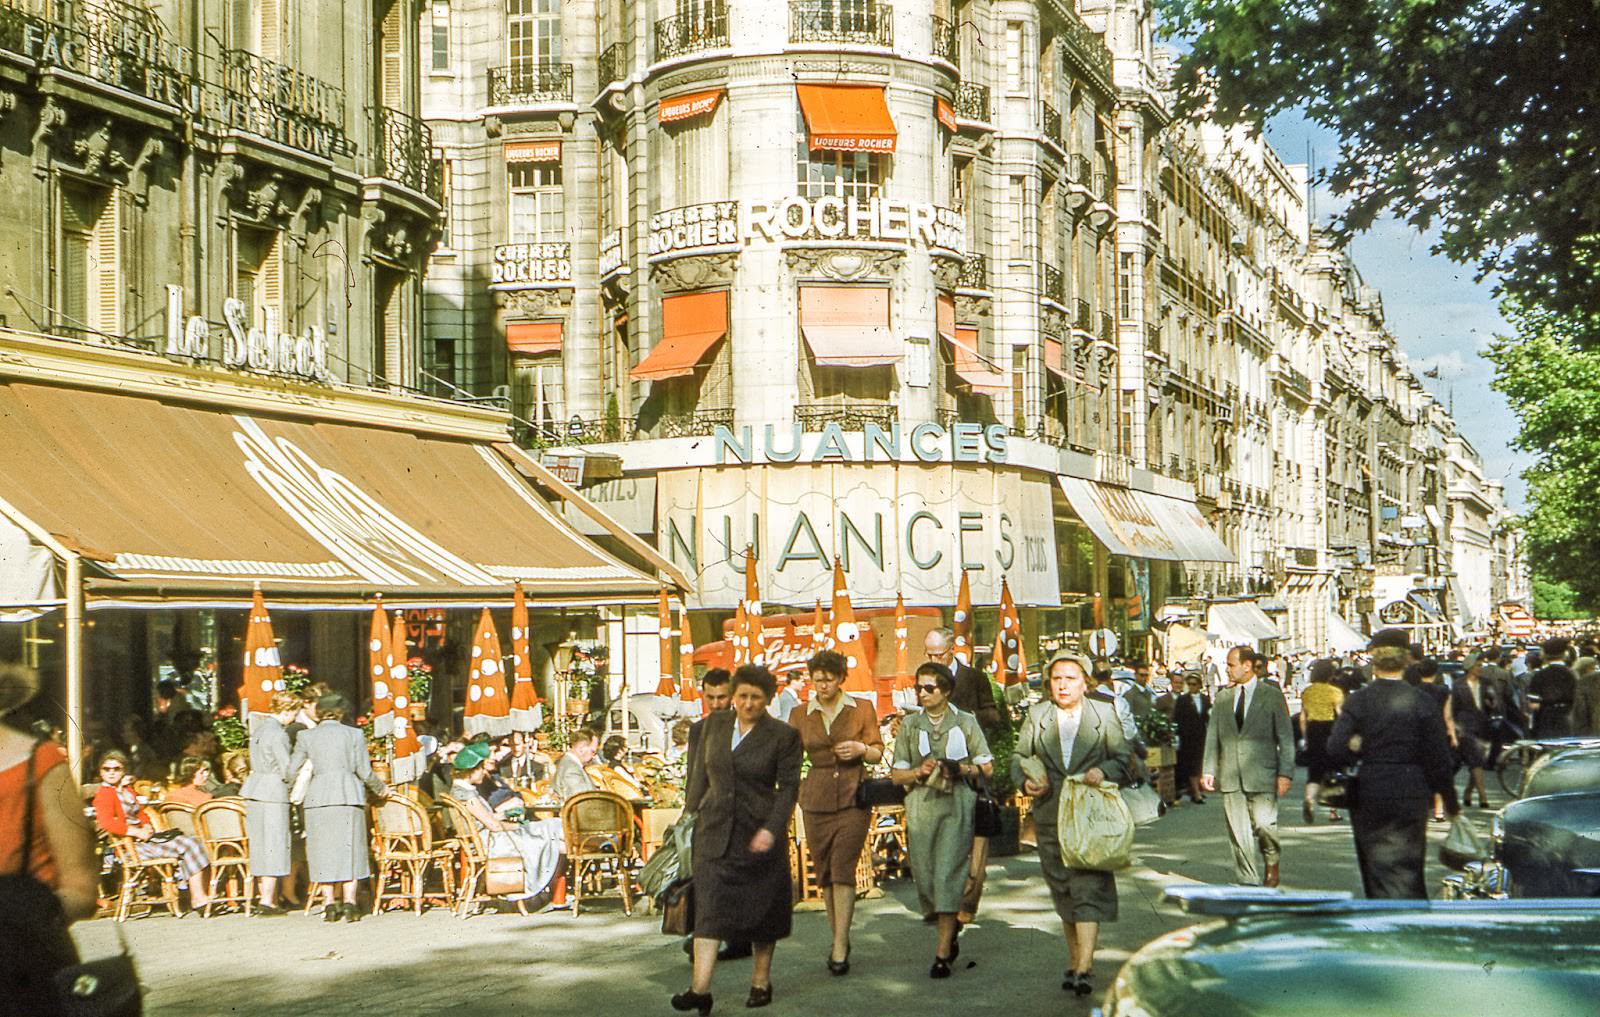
(1452, 964)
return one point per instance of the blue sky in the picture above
(1441, 317)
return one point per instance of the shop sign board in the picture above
(895, 527)
(244, 346)
(928, 442)
(610, 253)
(828, 218)
(631, 501)
(517, 265)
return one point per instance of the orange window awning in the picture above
(534, 337)
(691, 323)
(1053, 361)
(946, 316)
(970, 365)
(686, 107)
(847, 118)
(944, 113)
(533, 151)
(848, 326)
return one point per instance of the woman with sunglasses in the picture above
(937, 753)
(118, 811)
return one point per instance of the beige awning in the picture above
(848, 326)
(167, 500)
(1141, 524)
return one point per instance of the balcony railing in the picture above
(946, 41)
(1105, 184)
(972, 101)
(404, 149)
(1050, 123)
(841, 21)
(1052, 283)
(702, 29)
(1085, 319)
(850, 418)
(530, 84)
(1080, 170)
(1086, 47)
(1152, 208)
(613, 64)
(974, 272)
(692, 424)
(1152, 339)
(1108, 329)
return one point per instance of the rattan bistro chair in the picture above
(137, 873)
(174, 816)
(219, 824)
(598, 827)
(404, 847)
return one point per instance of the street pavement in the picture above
(603, 963)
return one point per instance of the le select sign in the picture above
(244, 346)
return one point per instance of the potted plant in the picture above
(229, 729)
(1003, 745)
(420, 676)
(1160, 736)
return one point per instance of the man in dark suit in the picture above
(1397, 735)
(1191, 711)
(1552, 691)
(1250, 759)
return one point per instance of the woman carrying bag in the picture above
(1070, 736)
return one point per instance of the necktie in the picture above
(1238, 708)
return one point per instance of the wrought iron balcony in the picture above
(850, 418)
(1052, 284)
(530, 84)
(403, 147)
(1105, 186)
(1152, 208)
(946, 41)
(1080, 170)
(692, 424)
(1152, 339)
(613, 64)
(1108, 329)
(841, 21)
(1085, 319)
(1050, 123)
(1086, 48)
(972, 101)
(692, 32)
(974, 272)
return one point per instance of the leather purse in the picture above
(879, 791)
(1339, 791)
(503, 876)
(986, 821)
(677, 908)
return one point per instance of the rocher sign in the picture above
(829, 217)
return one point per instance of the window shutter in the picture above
(269, 281)
(271, 15)
(106, 314)
(392, 56)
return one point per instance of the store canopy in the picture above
(848, 326)
(970, 365)
(167, 501)
(1342, 636)
(847, 118)
(1241, 622)
(1141, 524)
(534, 337)
(691, 324)
(685, 107)
(27, 576)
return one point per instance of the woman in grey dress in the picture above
(937, 752)
(266, 799)
(337, 851)
(1071, 737)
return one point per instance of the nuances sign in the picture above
(246, 347)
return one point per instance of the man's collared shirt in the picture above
(1068, 721)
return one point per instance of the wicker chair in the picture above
(599, 828)
(219, 824)
(404, 847)
(887, 843)
(473, 851)
(174, 816)
(137, 873)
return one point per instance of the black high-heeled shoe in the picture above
(941, 967)
(839, 967)
(760, 996)
(332, 912)
(1081, 986)
(688, 1000)
(352, 913)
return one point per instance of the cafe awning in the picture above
(167, 501)
(1240, 622)
(533, 337)
(848, 326)
(847, 118)
(1054, 361)
(1141, 524)
(691, 324)
(1342, 636)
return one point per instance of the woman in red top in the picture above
(192, 773)
(118, 812)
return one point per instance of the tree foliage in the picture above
(1549, 372)
(1479, 118)
(1553, 601)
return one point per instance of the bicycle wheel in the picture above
(1509, 772)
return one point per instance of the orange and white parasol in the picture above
(1010, 660)
(409, 761)
(687, 690)
(962, 623)
(263, 668)
(488, 711)
(380, 665)
(755, 628)
(667, 686)
(527, 712)
(845, 637)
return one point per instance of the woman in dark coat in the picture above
(1191, 712)
(742, 790)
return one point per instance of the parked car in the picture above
(1547, 846)
(1273, 954)
(1566, 769)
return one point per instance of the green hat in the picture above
(471, 756)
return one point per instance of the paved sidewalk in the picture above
(603, 963)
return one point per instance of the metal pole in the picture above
(622, 693)
(74, 665)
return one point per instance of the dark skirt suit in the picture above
(836, 830)
(1080, 895)
(266, 799)
(740, 896)
(1191, 721)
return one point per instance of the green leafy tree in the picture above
(1549, 372)
(1480, 119)
(1554, 601)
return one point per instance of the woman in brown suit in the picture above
(840, 734)
(742, 789)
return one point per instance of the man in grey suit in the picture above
(1250, 759)
(570, 778)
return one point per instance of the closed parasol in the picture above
(409, 761)
(488, 710)
(962, 622)
(1010, 660)
(380, 667)
(527, 712)
(263, 668)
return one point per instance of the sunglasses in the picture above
(111, 769)
(927, 688)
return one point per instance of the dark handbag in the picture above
(986, 820)
(677, 908)
(879, 791)
(42, 973)
(1340, 791)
